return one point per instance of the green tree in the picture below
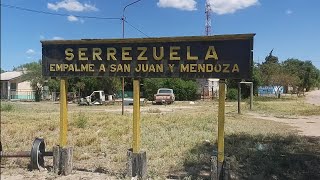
(86, 85)
(305, 72)
(183, 89)
(274, 74)
(33, 73)
(271, 59)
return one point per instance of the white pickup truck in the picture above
(164, 96)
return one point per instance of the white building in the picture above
(14, 87)
(208, 88)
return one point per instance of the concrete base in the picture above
(62, 160)
(137, 164)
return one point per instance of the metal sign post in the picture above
(136, 143)
(221, 118)
(63, 112)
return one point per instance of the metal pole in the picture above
(202, 93)
(239, 98)
(63, 112)
(221, 118)
(251, 95)
(122, 112)
(123, 19)
(136, 116)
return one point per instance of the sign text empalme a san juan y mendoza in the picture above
(219, 56)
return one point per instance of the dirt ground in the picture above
(306, 125)
(313, 97)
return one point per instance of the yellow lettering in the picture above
(209, 68)
(201, 68)
(126, 67)
(77, 69)
(174, 53)
(217, 68)
(126, 53)
(138, 68)
(84, 67)
(161, 54)
(193, 67)
(189, 57)
(52, 67)
(82, 54)
(71, 68)
(113, 68)
(65, 67)
(111, 52)
(152, 68)
(211, 53)
(102, 68)
(159, 68)
(184, 68)
(141, 56)
(58, 67)
(119, 68)
(91, 66)
(171, 67)
(226, 68)
(235, 68)
(96, 52)
(69, 54)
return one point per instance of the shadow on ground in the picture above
(260, 157)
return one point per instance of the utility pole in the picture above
(123, 21)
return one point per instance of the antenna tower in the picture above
(208, 18)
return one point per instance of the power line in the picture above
(57, 14)
(66, 15)
(136, 28)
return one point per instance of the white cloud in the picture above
(72, 18)
(188, 5)
(42, 37)
(30, 51)
(288, 12)
(71, 5)
(57, 38)
(230, 6)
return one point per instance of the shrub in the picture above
(183, 89)
(81, 120)
(232, 94)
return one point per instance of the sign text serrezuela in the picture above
(196, 57)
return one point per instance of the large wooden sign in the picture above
(220, 56)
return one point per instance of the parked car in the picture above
(164, 96)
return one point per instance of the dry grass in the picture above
(178, 142)
(285, 106)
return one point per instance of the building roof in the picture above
(6, 76)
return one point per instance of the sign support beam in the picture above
(63, 112)
(221, 118)
(239, 98)
(136, 144)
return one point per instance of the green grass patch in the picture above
(7, 107)
(291, 108)
(81, 120)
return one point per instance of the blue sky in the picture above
(290, 27)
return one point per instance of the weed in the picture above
(154, 110)
(7, 107)
(81, 120)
